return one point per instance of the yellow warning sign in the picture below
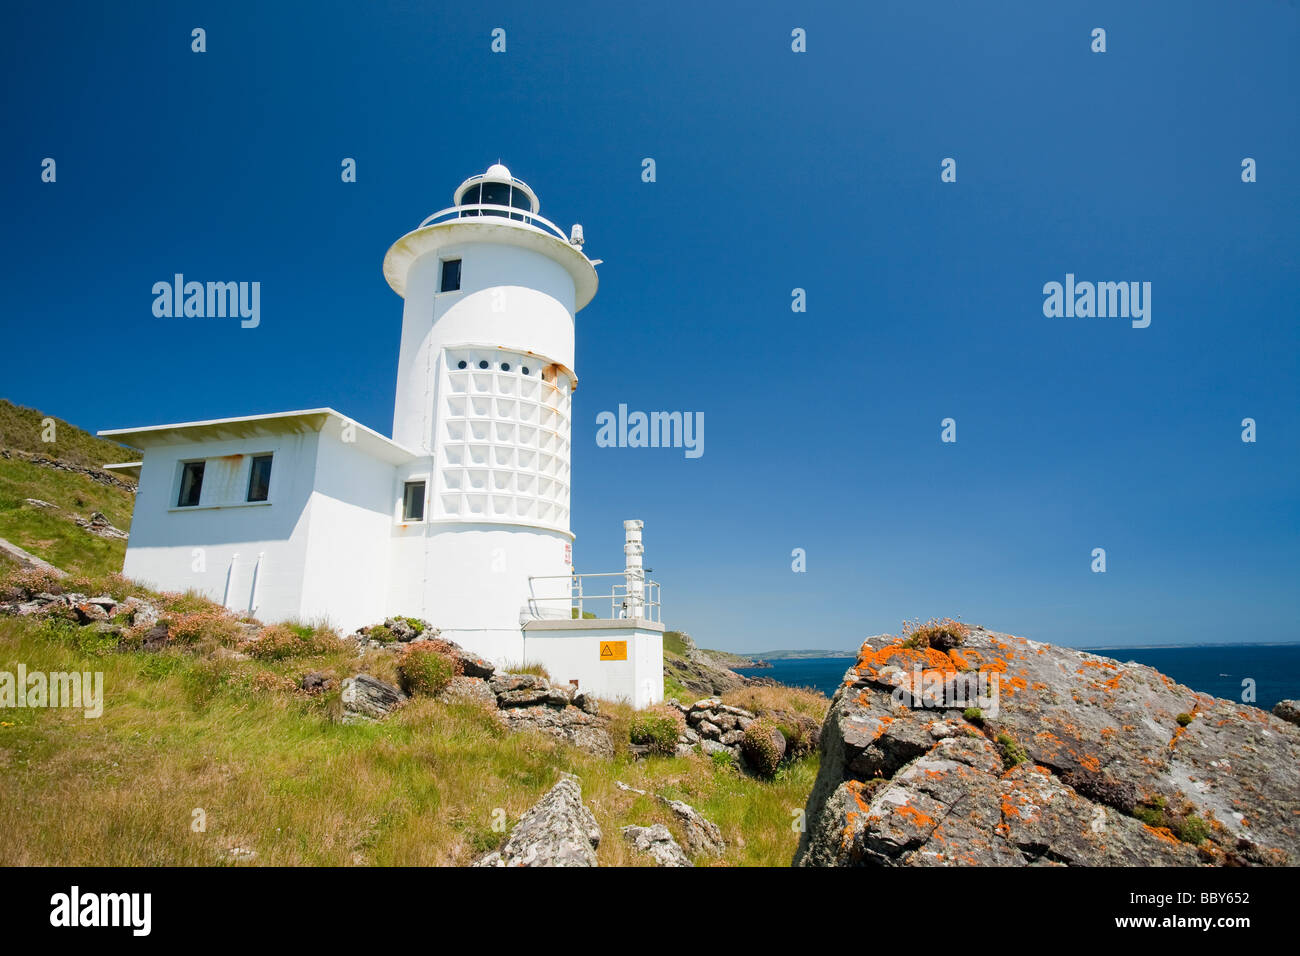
(613, 650)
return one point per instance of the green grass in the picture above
(23, 428)
(54, 536)
(273, 771)
(674, 646)
(271, 768)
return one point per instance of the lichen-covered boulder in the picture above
(558, 831)
(1080, 760)
(1288, 710)
(369, 698)
(656, 842)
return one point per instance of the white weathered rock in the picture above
(658, 843)
(368, 698)
(558, 831)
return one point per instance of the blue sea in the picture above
(1216, 669)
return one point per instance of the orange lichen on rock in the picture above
(1162, 833)
(907, 658)
(909, 812)
(855, 788)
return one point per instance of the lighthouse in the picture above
(462, 516)
(485, 389)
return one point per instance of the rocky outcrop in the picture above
(26, 559)
(521, 701)
(713, 726)
(1081, 760)
(369, 698)
(97, 524)
(82, 608)
(558, 831)
(58, 464)
(529, 702)
(656, 842)
(1288, 710)
(701, 835)
(699, 673)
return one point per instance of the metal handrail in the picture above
(510, 213)
(651, 602)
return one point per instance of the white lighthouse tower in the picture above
(462, 516)
(484, 394)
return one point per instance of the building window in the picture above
(259, 478)
(413, 501)
(450, 275)
(191, 484)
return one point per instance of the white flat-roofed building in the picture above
(462, 517)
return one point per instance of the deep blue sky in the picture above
(776, 170)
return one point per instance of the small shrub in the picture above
(1012, 753)
(209, 623)
(416, 624)
(1192, 829)
(1184, 719)
(658, 728)
(942, 635)
(760, 747)
(1151, 811)
(174, 603)
(24, 583)
(974, 715)
(280, 641)
(1187, 827)
(723, 760)
(381, 634)
(426, 670)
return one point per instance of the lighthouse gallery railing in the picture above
(518, 216)
(578, 596)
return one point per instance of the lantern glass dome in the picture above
(496, 187)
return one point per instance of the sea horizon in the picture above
(1274, 668)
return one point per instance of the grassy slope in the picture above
(270, 767)
(21, 428)
(273, 772)
(55, 537)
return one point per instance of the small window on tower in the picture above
(450, 275)
(462, 364)
(259, 478)
(413, 501)
(191, 484)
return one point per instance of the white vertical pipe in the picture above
(230, 581)
(634, 570)
(257, 584)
